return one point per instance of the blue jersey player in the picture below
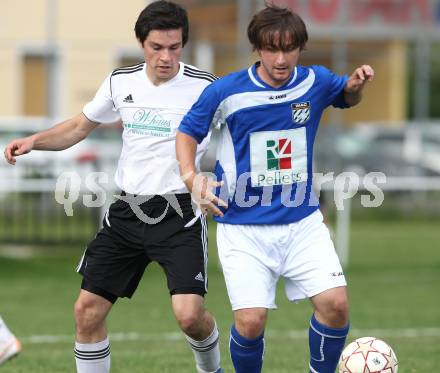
(272, 226)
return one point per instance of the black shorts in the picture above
(115, 260)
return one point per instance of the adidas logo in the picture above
(129, 99)
(200, 277)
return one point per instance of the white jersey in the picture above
(150, 115)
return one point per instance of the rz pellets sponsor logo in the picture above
(279, 161)
(278, 157)
(279, 178)
(279, 154)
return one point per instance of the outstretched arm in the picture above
(59, 137)
(199, 186)
(186, 148)
(356, 83)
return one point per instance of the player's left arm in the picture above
(356, 83)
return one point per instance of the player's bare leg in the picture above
(331, 307)
(328, 329)
(247, 339)
(200, 329)
(92, 351)
(250, 322)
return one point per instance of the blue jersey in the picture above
(265, 151)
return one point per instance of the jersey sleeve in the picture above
(335, 88)
(202, 115)
(102, 109)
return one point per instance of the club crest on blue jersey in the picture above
(300, 112)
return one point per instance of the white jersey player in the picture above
(153, 220)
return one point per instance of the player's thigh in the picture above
(91, 306)
(188, 306)
(249, 271)
(312, 265)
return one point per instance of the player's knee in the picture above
(190, 313)
(338, 311)
(340, 306)
(250, 325)
(87, 317)
(189, 321)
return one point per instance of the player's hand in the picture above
(359, 78)
(202, 193)
(18, 147)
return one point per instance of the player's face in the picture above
(162, 50)
(277, 64)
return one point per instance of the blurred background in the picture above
(54, 54)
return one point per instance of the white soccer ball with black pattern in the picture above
(368, 355)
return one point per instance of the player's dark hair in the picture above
(277, 28)
(161, 15)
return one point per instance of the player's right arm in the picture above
(59, 137)
(66, 134)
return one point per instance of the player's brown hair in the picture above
(277, 28)
(162, 15)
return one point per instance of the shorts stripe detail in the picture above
(191, 222)
(78, 267)
(205, 248)
(106, 218)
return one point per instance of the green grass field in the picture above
(394, 284)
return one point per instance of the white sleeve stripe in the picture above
(117, 72)
(129, 67)
(91, 120)
(243, 100)
(209, 79)
(201, 72)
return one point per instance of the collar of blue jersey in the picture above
(260, 83)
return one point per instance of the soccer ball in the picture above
(368, 355)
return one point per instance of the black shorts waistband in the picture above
(159, 199)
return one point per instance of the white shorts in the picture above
(254, 257)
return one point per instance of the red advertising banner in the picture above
(404, 17)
